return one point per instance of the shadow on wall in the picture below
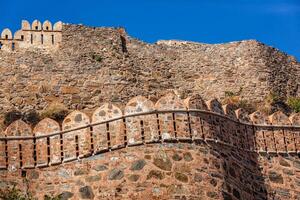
(242, 174)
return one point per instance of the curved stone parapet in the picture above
(172, 125)
(47, 148)
(20, 152)
(107, 135)
(76, 144)
(141, 129)
(169, 120)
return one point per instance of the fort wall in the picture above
(171, 149)
(94, 65)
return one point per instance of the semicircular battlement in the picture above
(279, 118)
(169, 101)
(229, 110)
(25, 25)
(6, 34)
(46, 126)
(215, 106)
(295, 119)
(259, 117)
(195, 102)
(18, 128)
(36, 25)
(57, 26)
(242, 115)
(47, 26)
(138, 104)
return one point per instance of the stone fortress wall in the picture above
(173, 149)
(35, 35)
(103, 64)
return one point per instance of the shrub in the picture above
(56, 111)
(97, 57)
(235, 99)
(12, 116)
(31, 117)
(273, 103)
(232, 94)
(229, 94)
(294, 104)
(46, 197)
(13, 194)
(272, 98)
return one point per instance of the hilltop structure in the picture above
(118, 144)
(35, 35)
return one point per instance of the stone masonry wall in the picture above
(93, 65)
(174, 149)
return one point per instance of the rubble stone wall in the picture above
(94, 65)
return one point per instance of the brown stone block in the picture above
(69, 90)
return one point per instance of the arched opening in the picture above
(52, 36)
(47, 28)
(13, 46)
(22, 37)
(42, 39)
(6, 37)
(36, 27)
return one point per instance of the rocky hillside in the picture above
(95, 65)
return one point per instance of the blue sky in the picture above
(273, 22)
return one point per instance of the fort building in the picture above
(35, 35)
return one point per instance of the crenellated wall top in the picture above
(140, 104)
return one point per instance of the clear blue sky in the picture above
(274, 22)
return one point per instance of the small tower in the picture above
(32, 36)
